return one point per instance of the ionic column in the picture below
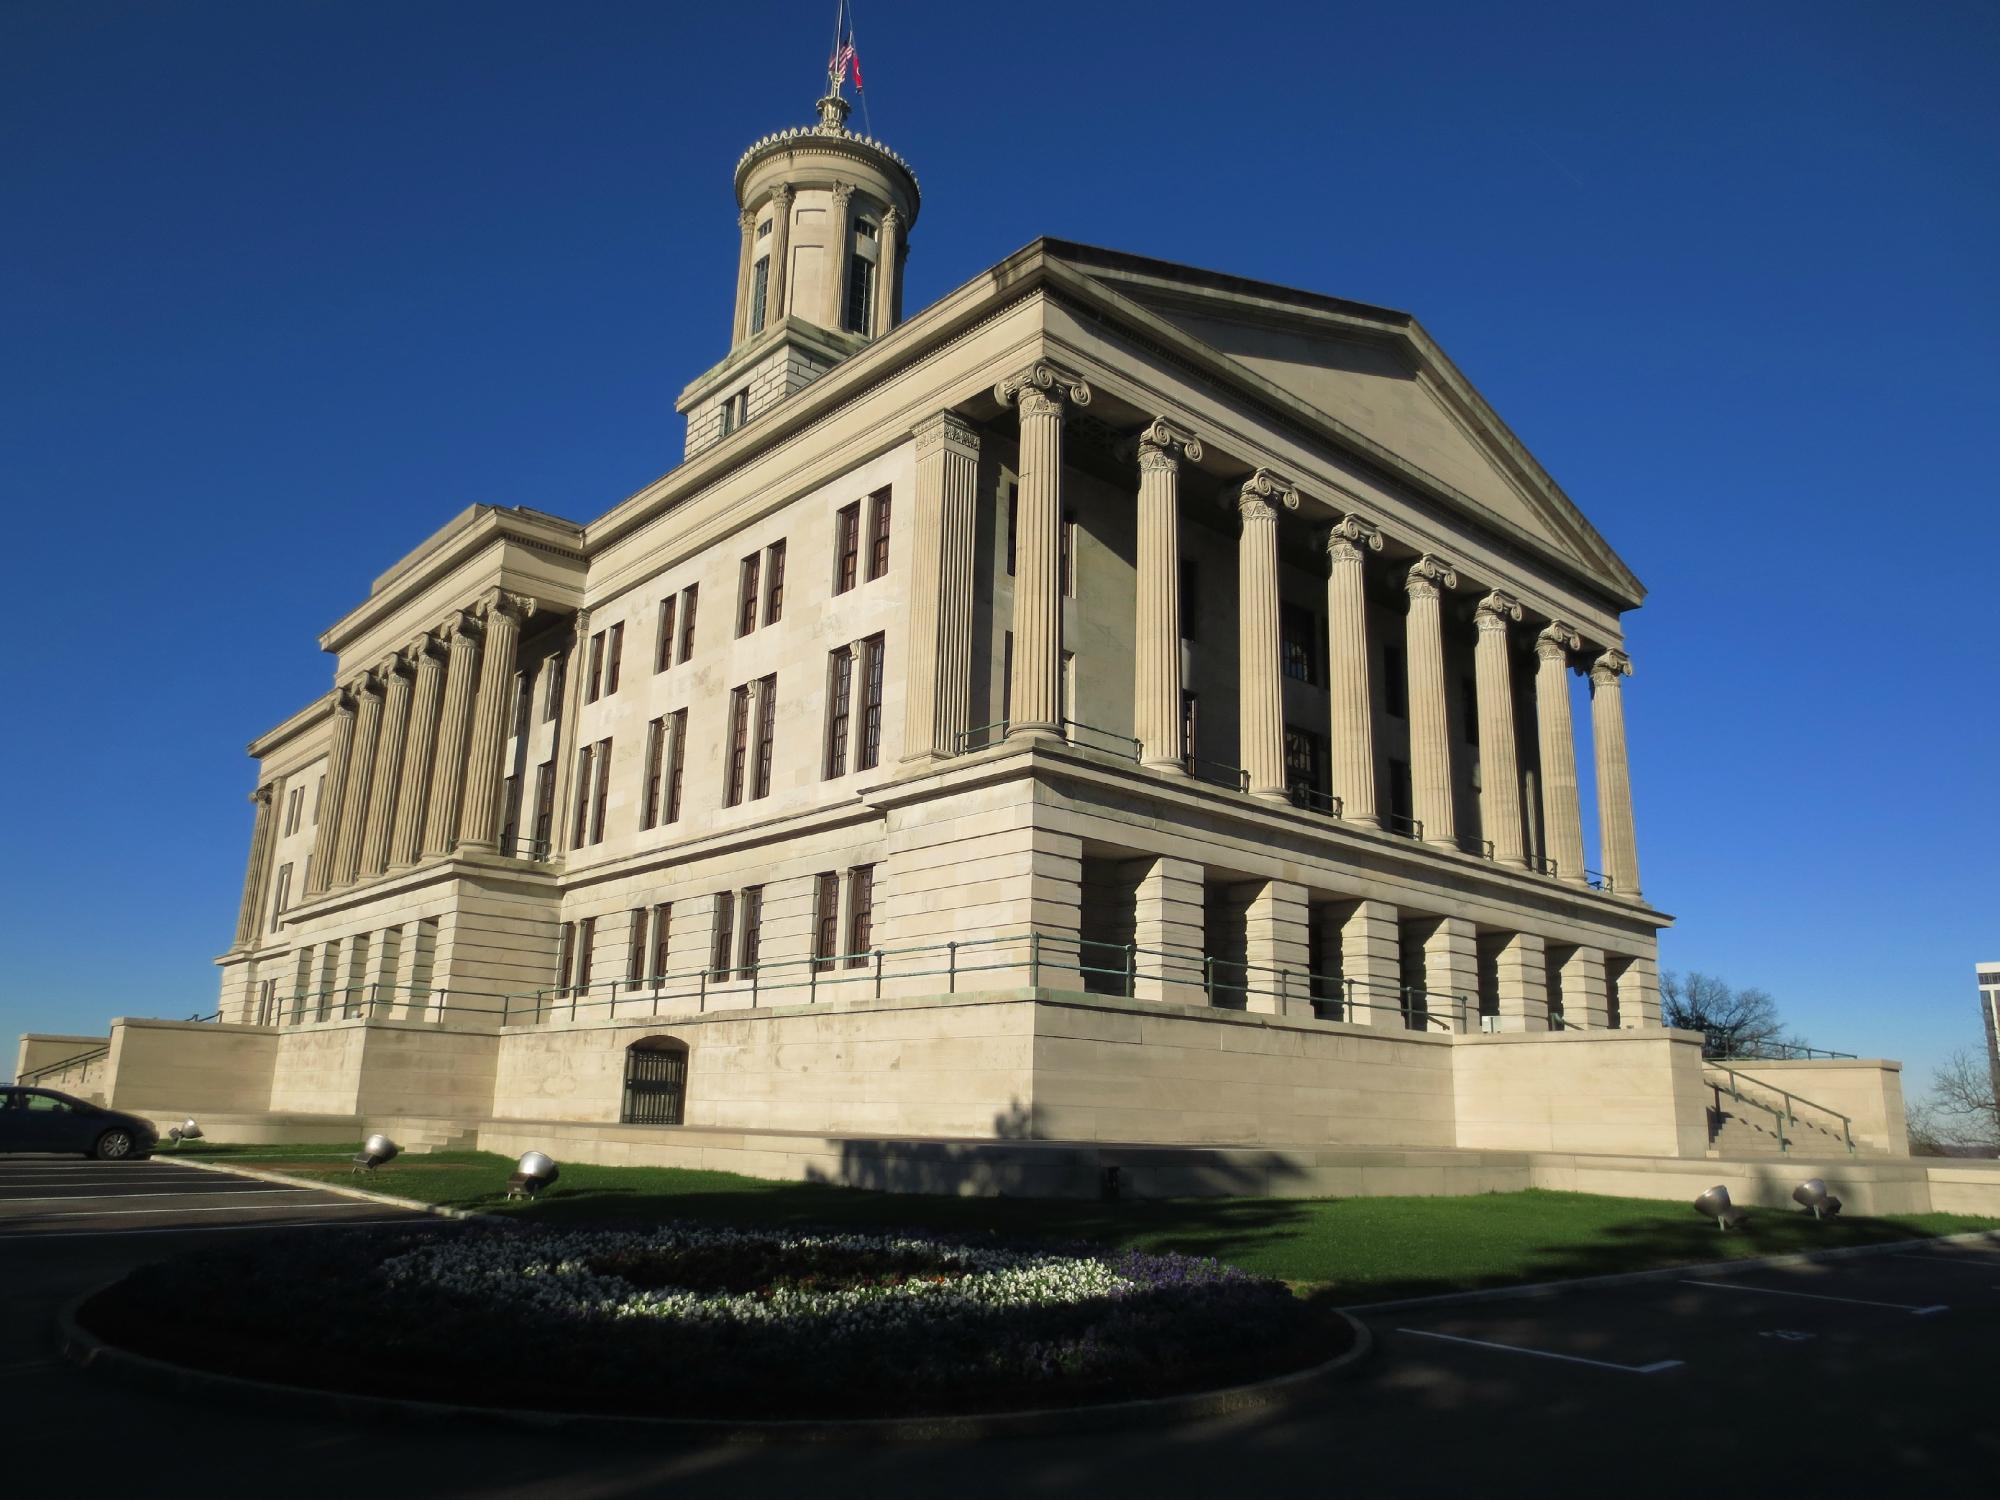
(1614, 780)
(780, 252)
(885, 272)
(339, 752)
(1351, 735)
(388, 767)
(839, 246)
(1040, 392)
(1562, 810)
(406, 836)
(252, 909)
(1156, 681)
(937, 698)
(479, 828)
(747, 221)
(454, 724)
(1430, 736)
(1500, 761)
(360, 779)
(1259, 666)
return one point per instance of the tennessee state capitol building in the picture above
(1116, 703)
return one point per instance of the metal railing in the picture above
(1542, 865)
(1313, 800)
(1216, 773)
(1482, 848)
(981, 737)
(76, 1060)
(1720, 1046)
(1789, 1114)
(1409, 828)
(534, 849)
(1090, 737)
(1597, 880)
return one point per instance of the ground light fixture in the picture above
(187, 1130)
(375, 1151)
(533, 1172)
(1714, 1204)
(1813, 1194)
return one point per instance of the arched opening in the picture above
(656, 1070)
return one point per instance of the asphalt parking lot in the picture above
(1838, 1374)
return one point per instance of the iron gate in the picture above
(655, 1083)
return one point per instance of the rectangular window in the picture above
(735, 411)
(774, 582)
(510, 815)
(690, 596)
(1395, 682)
(767, 730)
(739, 744)
(1013, 517)
(635, 953)
(1303, 756)
(284, 898)
(1066, 560)
(860, 914)
(663, 647)
(649, 802)
(319, 791)
(1190, 730)
(860, 294)
(586, 941)
(582, 821)
(1190, 598)
(753, 924)
(746, 599)
(614, 654)
(545, 807)
(524, 701)
(846, 546)
(869, 750)
(878, 534)
(292, 800)
(1066, 686)
(662, 923)
(1296, 635)
(839, 709)
(558, 678)
(594, 679)
(723, 942)
(603, 791)
(676, 760)
(826, 921)
(565, 956)
(760, 292)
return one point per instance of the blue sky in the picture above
(285, 286)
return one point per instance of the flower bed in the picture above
(691, 1320)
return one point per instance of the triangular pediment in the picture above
(1376, 374)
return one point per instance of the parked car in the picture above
(44, 1120)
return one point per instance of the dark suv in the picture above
(43, 1120)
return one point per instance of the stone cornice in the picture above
(304, 721)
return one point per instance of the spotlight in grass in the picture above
(532, 1173)
(1714, 1204)
(375, 1151)
(187, 1130)
(1813, 1194)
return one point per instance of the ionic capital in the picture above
(946, 430)
(1263, 492)
(1350, 536)
(368, 684)
(1041, 389)
(263, 795)
(1156, 446)
(1556, 641)
(426, 647)
(1608, 668)
(1495, 610)
(516, 607)
(1428, 574)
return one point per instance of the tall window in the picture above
(586, 941)
(1296, 640)
(582, 824)
(735, 411)
(774, 582)
(649, 803)
(663, 648)
(878, 534)
(767, 729)
(1013, 518)
(676, 759)
(1066, 559)
(753, 924)
(545, 806)
(635, 950)
(860, 294)
(1304, 754)
(746, 600)
(1190, 598)
(565, 956)
(595, 677)
(524, 701)
(826, 921)
(293, 800)
(723, 942)
(739, 744)
(846, 546)
(319, 791)
(1190, 730)
(860, 914)
(760, 292)
(614, 653)
(1395, 682)
(839, 709)
(603, 791)
(284, 897)
(690, 596)
(869, 750)
(662, 922)
(558, 679)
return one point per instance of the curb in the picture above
(89, 1352)
(338, 1189)
(1673, 1273)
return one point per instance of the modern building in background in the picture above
(1989, 1017)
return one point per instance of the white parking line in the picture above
(232, 1192)
(1572, 1359)
(296, 1208)
(92, 1234)
(1771, 1291)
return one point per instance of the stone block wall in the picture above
(187, 1067)
(1593, 1091)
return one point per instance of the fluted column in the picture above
(1614, 779)
(1156, 679)
(1499, 758)
(1040, 392)
(360, 779)
(567, 738)
(406, 836)
(937, 696)
(388, 766)
(839, 246)
(1562, 810)
(885, 272)
(479, 829)
(747, 221)
(252, 909)
(1430, 734)
(1351, 735)
(340, 750)
(1260, 677)
(454, 724)
(781, 250)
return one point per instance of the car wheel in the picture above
(113, 1145)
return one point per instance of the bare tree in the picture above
(1739, 1023)
(1964, 1103)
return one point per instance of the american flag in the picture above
(844, 60)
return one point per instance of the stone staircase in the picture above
(420, 1136)
(1755, 1121)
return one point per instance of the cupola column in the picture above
(839, 246)
(886, 275)
(1040, 392)
(781, 252)
(747, 220)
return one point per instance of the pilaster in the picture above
(1277, 950)
(1586, 999)
(937, 700)
(1371, 965)
(1523, 983)
(1168, 931)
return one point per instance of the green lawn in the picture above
(1349, 1249)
